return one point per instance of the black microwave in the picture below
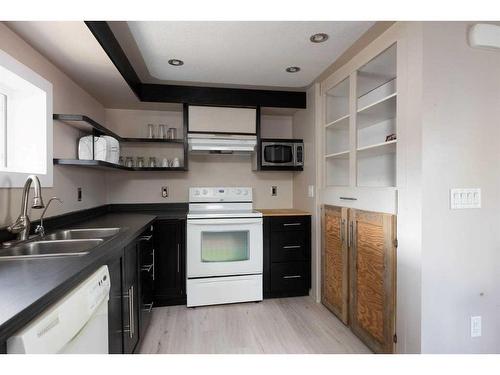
(282, 153)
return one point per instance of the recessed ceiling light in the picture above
(175, 62)
(292, 69)
(319, 38)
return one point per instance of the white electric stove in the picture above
(224, 247)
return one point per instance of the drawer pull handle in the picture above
(148, 307)
(292, 277)
(291, 224)
(348, 199)
(145, 238)
(292, 247)
(147, 267)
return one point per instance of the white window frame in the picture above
(10, 179)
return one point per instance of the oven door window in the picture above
(278, 153)
(230, 246)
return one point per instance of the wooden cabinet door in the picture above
(373, 278)
(170, 268)
(335, 272)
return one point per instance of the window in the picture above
(25, 124)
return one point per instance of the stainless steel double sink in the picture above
(68, 242)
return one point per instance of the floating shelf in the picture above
(340, 122)
(86, 124)
(378, 149)
(338, 155)
(99, 164)
(383, 109)
(152, 140)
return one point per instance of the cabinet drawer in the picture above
(288, 246)
(289, 223)
(289, 277)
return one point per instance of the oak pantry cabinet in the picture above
(359, 273)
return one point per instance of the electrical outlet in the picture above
(310, 191)
(465, 198)
(79, 194)
(164, 191)
(274, 191)
(475, 326)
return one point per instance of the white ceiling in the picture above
(72, 47)
(235, 54)
(242, 53)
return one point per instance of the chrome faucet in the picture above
(40, 230)
(22, 225)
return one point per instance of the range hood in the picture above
(221, 143)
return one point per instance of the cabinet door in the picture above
(115, 319)
(373, 278)
(169, 272)
(146, 264)
(130, 299)
(335, 284)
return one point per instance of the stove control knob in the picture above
(205, 192)
(245, 192)
(196, 192)
(238, 191)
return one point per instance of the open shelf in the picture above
(85, 124)
(99, 164)
(337, 101)
(338, 155)
(381, 110)
(340, 122)
(378, 149)
(152, 140)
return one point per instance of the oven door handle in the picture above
(234, 221)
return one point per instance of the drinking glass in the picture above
(162, 131)
(140, 162)
(151, 131)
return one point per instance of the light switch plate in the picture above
(475, 326)
(465, 198)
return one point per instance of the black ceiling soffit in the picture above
(216, 96)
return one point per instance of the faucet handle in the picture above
(17, 226)
(40, 230)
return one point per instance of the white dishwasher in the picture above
(78, 323)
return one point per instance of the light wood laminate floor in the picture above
(285, 325)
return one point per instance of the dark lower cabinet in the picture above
(146, 255)
(287, 256)
(169, 285)
(131, 301)
(151, 272)
(115, 318)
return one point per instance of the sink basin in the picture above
(78, 234)
(45, 249)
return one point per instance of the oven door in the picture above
(224, 247)
(280, 154)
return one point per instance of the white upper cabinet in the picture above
(222, 120)
(376, 136)
(360, 125)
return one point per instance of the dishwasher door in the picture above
(78, 323)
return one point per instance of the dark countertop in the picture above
(27, 287)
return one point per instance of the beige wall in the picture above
(204, 170)
(461, 135)
(67, 98)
